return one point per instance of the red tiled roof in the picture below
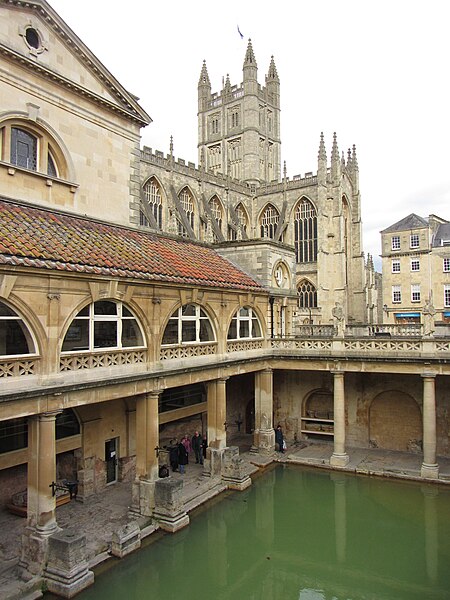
(47, 240)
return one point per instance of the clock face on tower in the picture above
(280, 275)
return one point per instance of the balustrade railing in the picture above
(18, 367)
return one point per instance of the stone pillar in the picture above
(430, 468)
(41, 503)
(169, 508)
(264, 436)
(233, 471)
(147, 464)
(217, 413)
(67, 571)
(339, 458)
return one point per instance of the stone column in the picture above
(339, 458)
(430, 468)
(264, 436)
(41, 503)
(217, 413)
(147, 440)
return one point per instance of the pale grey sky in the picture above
(375, 72)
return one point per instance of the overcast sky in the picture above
(377, 73)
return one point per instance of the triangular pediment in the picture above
(61, 56)
(412, 221)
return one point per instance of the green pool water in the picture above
(298, 534)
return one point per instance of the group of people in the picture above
(179, 451)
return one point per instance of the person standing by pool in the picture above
(182, 458)
(204, 445)
(187, 444)
(279, 439)
(197, 447)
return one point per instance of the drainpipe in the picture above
(271, 301)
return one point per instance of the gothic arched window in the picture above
(103, 324)
(307, 295)
(189, 324)
(269, 221)
(242, 222)
(187, 202)
(15, 337)
(152, 196)
(305, 226)
(216, 210)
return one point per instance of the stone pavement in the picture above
(102, 515)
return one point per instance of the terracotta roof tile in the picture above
(48, 240)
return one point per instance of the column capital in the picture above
(428, 375)
(49, 415)
(337, 372)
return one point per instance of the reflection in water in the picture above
(298, 534)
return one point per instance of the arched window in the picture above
(152, 196)
(216, 209)
(244, 324)
(15, 337)
(242, 222)
(307, 295)
(103, 324)
(189, 324)
(66, 424)
(305, 226)
(187, 202)
(28, 146)
(269, 222)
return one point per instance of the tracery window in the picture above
(305, 228)
(103, 324)
(187, 202)
(27, 146)
(269, 222)
(244, 324)
(189, 324)
(152, 195)
(242, 222)
(216, 209)
(307, 295)
(15, 337)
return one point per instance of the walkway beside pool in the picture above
(103, 514)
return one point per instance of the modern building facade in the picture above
(140, 295)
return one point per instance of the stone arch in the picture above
(395, 422)
(268, 220)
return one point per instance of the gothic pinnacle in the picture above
(322, 151)
(335, 149)
(204, 77)
(249, 55)
(272, 75)
(354, 159)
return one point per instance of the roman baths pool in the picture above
(302, 534)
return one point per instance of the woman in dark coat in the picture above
(173, 455)
(279, 438)
(182, 457)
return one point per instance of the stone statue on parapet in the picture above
(428, 312)
(338, 317)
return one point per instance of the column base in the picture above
(266, 441)
(233, 473)
(35, 550)
(339, 460)
(429, 471)
(125, 540)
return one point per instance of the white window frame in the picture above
(179, 318)
(395, 242)
(395, 264)
(396, 294)
(414, 240)
(414, 262)
(92, 317)
(447, 296)
(246, 318)
(415, 292)
(446, 264)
